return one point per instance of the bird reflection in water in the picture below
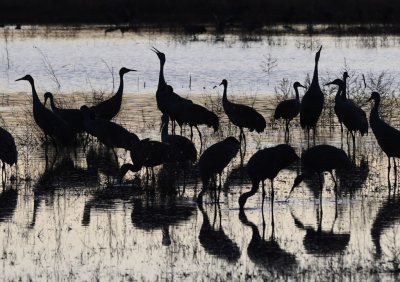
(214, 240)
(320, 242)
(267, 253)
(8, 200)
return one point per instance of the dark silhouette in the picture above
(387, 136)
(242, 116)
(312, 102)
(322, 243)
(167, 101)
(267, 253)
(109, 108)
(353, 179)
(215, 241)
(348, 113)
(318, 159)
(73, 117)
(289, 109)
(50, 123)
(214, 160)
(146, 153)
(388, 215)
(8, 152)
(107, 132)
(266, 164)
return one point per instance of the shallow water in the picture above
(72, 220)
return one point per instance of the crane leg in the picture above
(219, 187)
(201, 138)
(395, 173)
(263, 195)
(191, 133)
(388, 174)
(272, 209)
(320, 195)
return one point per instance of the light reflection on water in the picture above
(70, 222)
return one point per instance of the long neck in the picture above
(296, 90)
(338, 94)
(161, 80)
(243, 198)
(121, 85)
(53, 106)
(315, 76)
(224, 96)
(375, 110)
(344, 91)
(34, 93)
(164, 132)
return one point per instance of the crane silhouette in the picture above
(50, 123)
(242, 116)
(319, 159)
(387, 136)
(8, 152)
(312, 102)
(73, 117)
(107, 132)
(348, 113)
(214, 160)
(289, 109)
(167, 100)
(109, 108)
(146, 153)
(266, 164)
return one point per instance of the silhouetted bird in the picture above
(107, 132)
(387, 136)
(181, 148)
(267, 253)
(109, 108)
(319, 159)
(167, 100)
(215, 159)
(241, 115)
(73, 117)
(289, 109)
(348, 113)
(9, 201)
(312, 102)
(146, 153)
(8, 151)
(266, 164)
(216, 242)
(50, 123)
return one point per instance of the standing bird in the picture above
(146, 153)
(73, 117)
(318, 159)
(266, 164)
(387, 136)
(109, 108)
(50, 123)
(242, 116)
(8, 151)
(348, 113)
(214, 160)
(289, 109)
(167, 99)
(312, 102)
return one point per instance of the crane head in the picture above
(374, 96)
(124, 70)
(26, 77)
(224, 83)
(345, 75)
(160, 55)
(296, 183)
(47, 95)
(297, 84)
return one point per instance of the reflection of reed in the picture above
(387, 216)
(267, 253)
(320, 242)
(215, 241)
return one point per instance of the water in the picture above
(72, 220)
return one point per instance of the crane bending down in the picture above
(242, 116)
(289, 109)
(312, 102)
(8, 152)
(109, 108)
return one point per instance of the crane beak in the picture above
(155, 50)
(22, 78)
(296, 183)
(131, 69)
(320, 48)
(329, 83)
(302, 86)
